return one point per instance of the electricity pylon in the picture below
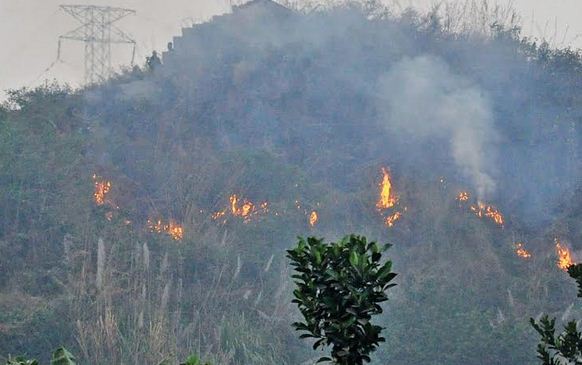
(98, 32)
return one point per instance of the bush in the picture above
(339, 288)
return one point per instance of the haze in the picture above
(153, 216)
(30, 28)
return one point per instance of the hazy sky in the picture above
(29, 30)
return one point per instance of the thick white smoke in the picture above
(421, 98)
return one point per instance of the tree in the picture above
(339, 288)
(565, 348)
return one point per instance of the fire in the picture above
(463, 196)
(313, 217)
(217, 215)
(156, 226)
(521, 251)
(244, 210)
(391, 219)
(102, 187)
(387, 199)
(483, 210)
(173, 229)
(564, 256)
(241, 208)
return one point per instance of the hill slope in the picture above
(147, 218)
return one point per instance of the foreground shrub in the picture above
(339, 288)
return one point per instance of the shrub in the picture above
(339, 288)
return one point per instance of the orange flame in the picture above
(463, 196)
(483, 210)
(219, 214)
(171, 228)
(390, 220)
(245, 209)
(564, 256)
(175, 230)
(313, 217)
(157, 226)
(387, 199)
(102, 187)
(521, 251)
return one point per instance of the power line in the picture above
(98, 32)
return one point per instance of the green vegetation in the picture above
(566, 347)
(339, 287)
(62, 356)
(21, 361)
(292, 119)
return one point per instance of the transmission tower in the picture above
(98, 32)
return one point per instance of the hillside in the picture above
(148, 217)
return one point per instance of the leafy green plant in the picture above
(339, 288)
(566, 347)
(21, 361)
(63, 357)
(60, 356)
(194, 360)
(191, 360)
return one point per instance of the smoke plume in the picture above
(422, 98)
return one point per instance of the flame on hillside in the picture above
(391, 219)
(173, 229)
(521, 251)
(102, 187)
(241, 208)
(387, 198)
(564, 255)
(463, 196)
(237, 209)
(218, 215)
(313, 218)
(484, 210)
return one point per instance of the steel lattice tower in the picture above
(98, 32)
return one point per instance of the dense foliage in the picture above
(339, 288)
(566, 347)
(301, 111)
